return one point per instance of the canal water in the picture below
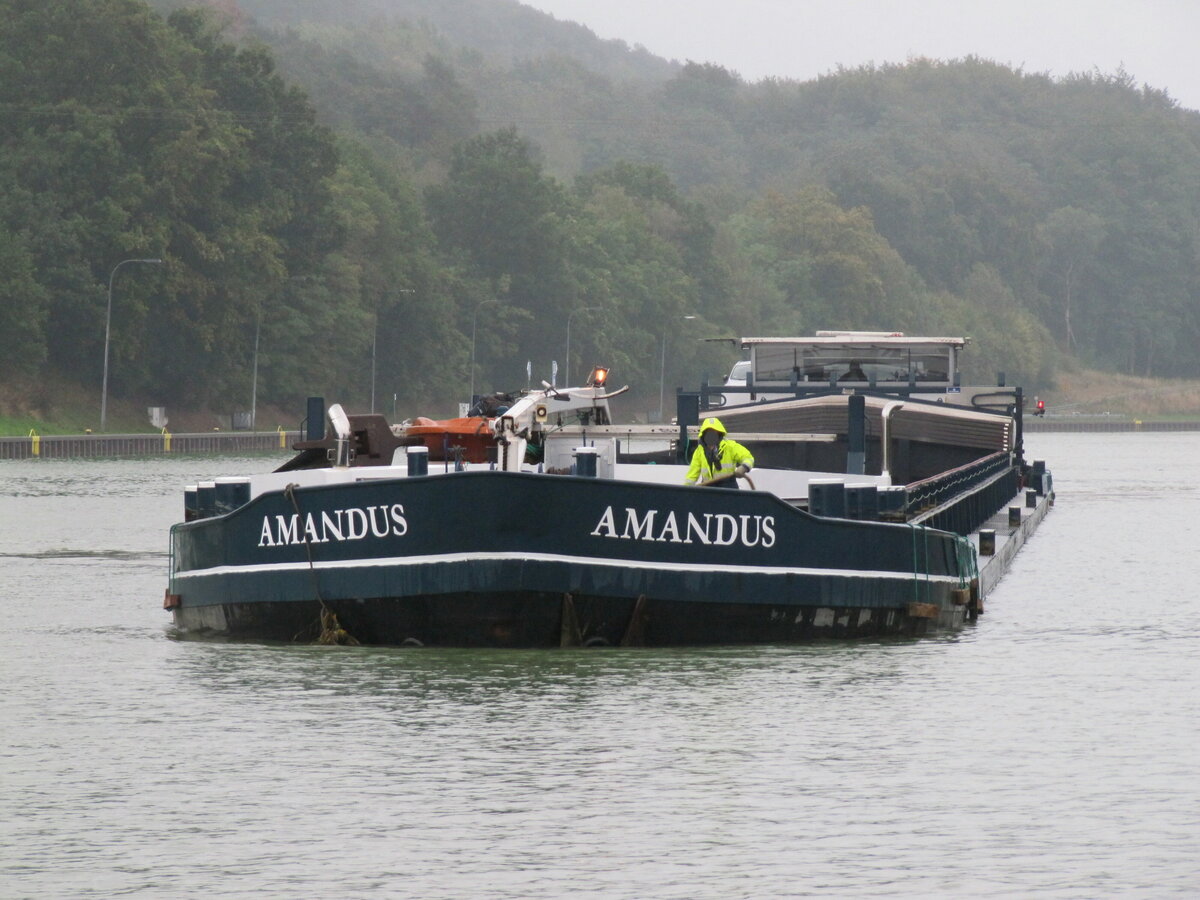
(1050, 750)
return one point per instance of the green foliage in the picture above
(327, 180)
(22, 310)
(959, 164)
(505, 30)
(507, 224)
(147, 138)
(632, 264)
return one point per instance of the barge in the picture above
(874, 505)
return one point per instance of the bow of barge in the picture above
(876, 508)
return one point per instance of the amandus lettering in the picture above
(351, 524)
(718, 529)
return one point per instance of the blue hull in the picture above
(520, 560)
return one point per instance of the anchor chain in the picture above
(332, 631)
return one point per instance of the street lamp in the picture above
(482, 303)
(374, 334)
(567, 358)
(662, 373)
(254, 378)
(107, 327)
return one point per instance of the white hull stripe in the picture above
(404, 561)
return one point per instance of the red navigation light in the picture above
(1041, 408)
(598, 377)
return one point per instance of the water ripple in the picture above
(1047, 751)
(64, 553)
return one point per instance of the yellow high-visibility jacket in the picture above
(730, 455)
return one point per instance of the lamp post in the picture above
(374, 335)
(662, 373)
(107, 329)
(474, 318)
(254, 378)
(567, 357)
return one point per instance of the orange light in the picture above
(598, 376)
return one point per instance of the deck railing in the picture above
(964, 498)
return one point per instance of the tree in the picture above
(135, 137)
(835, 269)
(1070, 237)
(498, 215)
(22, 309)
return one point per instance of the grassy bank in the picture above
(55, 406)
(1089, 392)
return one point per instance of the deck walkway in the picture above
(1009, 538)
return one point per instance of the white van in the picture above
(737, 378)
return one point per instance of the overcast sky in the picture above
(1157, 41)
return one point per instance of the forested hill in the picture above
(502, 30)
(320, 177)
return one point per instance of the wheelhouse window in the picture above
(854, 364)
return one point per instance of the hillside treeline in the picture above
(328, 187)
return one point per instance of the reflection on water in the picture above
(122, 555)
(1048, 750)
(430, 678)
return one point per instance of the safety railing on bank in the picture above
(1116, 424)
(85, 446)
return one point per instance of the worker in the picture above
(854, 373)
(718, 461)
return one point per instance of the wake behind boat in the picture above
(871, 510)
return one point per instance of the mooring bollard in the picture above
(206, 499)
(230, 493)
(862, 502)
(585, 461)
(987, 542)
(890, 502)
(418, 461)
(1014, 516)
(1038, 475)
(1031, 499)
(827, 497)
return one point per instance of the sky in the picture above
(1156, 41)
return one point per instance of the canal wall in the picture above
(77, 446)
(1103, 424)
